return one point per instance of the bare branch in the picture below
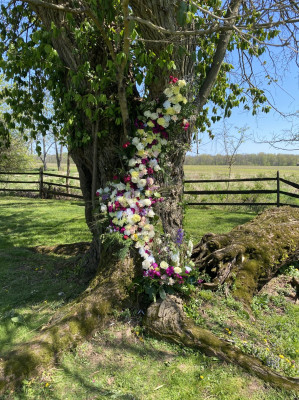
(220, 52)
(61, 7)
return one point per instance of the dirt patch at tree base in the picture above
(68, 249)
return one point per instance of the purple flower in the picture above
(169, 271)
(179, 236)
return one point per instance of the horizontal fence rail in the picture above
(276, 191)
(230, 180)
(44, 187)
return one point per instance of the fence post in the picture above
(41, 182)
(278, 189)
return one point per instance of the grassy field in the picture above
(196, 172)
(192, 172)
(122, 362)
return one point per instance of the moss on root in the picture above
(250, 255)
(166, 320)
(71, 323)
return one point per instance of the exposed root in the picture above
(71, 324)
(251, 254)
(167, 320)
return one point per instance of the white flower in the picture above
(188, 269)
(174, 118)
(143, 253)
(103, 208)
(107, 189)
(135, 141)
(151, 259)
(181, 83)
(164, 142)
(147, 114)
(146, 202)
(146, 264)
(173, 100)
(177, 270)
(132, 162)
(166, 104)
(163, 265)
(177, 108)
(157, 168)
(151, 234)
(120, 186)
(141, 183)
(175, 257)
(154, 115)
(151, 214)
(168, 92)
(119, 214)
(171, 281)
(139, 146)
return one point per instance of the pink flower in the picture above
(125, 145)
(150, 181)
(186, 126)
(172, 79)
(115, 177)
(126, 237)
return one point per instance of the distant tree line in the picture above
(244, 159)
(51, 158)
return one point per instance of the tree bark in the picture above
(251, 254)
(167, 320)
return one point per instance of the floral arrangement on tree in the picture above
(129, 200)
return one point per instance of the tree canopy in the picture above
(98, 58)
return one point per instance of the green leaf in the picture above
(162, 293)
(48, 48)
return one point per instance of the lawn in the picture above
(122, 362)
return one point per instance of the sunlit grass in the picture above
(121, 363)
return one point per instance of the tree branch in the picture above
(61, 7)
(224, 39)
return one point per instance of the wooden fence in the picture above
(44, 186)
(277, 191)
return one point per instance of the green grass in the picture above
(120, 363)
(199, 221)
(240, 171)
(33, 285)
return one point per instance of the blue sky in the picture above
(284, 95)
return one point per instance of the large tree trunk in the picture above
(251, 254)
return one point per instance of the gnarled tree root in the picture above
(251, 254)
(70, 325)
(167, 320)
